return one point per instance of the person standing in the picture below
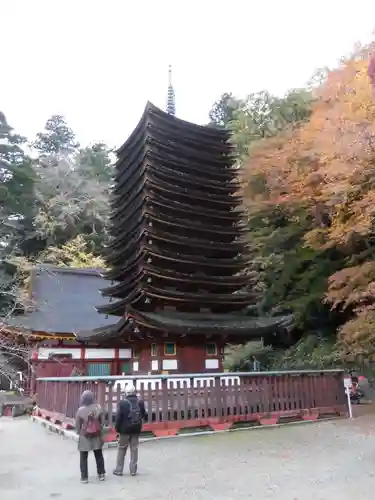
(129, 417)
(89, 427)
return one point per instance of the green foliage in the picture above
(290, 276)
(16, 209)
(294, 275)
(57, 138)
(242, 357)
(71, 188)
(263, 115)
(95, 162)
(74, 253)
(311, 352)
(54, 207)
(223, 110)
(290, 270)
(69, 202)
(293, 108)
(16, 178)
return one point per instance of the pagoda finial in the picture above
(171, 104)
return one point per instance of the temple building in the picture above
(176, 290)
(178, 253)
(61, 303)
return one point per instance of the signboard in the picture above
(347, 382)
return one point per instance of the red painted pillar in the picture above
(115, 365)
(32, 376)
(220, 354)
(82, 360)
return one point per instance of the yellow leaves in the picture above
(328, 157)
(73, 254)
(352, 287)
(317, 238)
(328, 165)
(356, 339)
(348, 85)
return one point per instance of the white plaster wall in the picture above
(212, 364)
(124, 353)
(170, 364)
(135, 366)
(94, 353)
(46, 352)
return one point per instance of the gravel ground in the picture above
(328, 460)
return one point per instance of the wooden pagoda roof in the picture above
(209, 324)
(179, 236)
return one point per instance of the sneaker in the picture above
(133, 473)
(84, 480)
(101, 477)
(117, 473)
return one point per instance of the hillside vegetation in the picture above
(309, 184)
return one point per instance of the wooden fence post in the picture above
(101, 399)
(219, 423)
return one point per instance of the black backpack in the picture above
(135, 417)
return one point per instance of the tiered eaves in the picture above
(178, 253)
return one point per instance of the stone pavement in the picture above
(324, 461)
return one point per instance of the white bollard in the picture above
(347, 385)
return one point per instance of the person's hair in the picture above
(130, 389)
(87, 398)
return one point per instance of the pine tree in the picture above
(16, 209)
(95, 162)
(16, 186)
(56, 139)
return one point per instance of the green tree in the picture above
(223, 110)
(69, 203)
(57, 138)
(294, 276)
(71, 189)
(74, 253)
(16, 210)
(252, 356)
(263, 115)
(16, 187)
(95, 162)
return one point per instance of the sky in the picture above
(97, 62)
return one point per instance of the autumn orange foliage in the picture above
(354, 288)
(328, 165)
(328, 161)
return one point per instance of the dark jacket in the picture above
(123, 424)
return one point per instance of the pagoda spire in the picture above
(171, 103)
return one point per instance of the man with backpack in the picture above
(129, 417)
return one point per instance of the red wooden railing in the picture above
(217, 401)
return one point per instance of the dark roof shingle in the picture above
(64, 300)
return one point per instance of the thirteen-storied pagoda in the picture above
(177, 284)
(178, 253)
